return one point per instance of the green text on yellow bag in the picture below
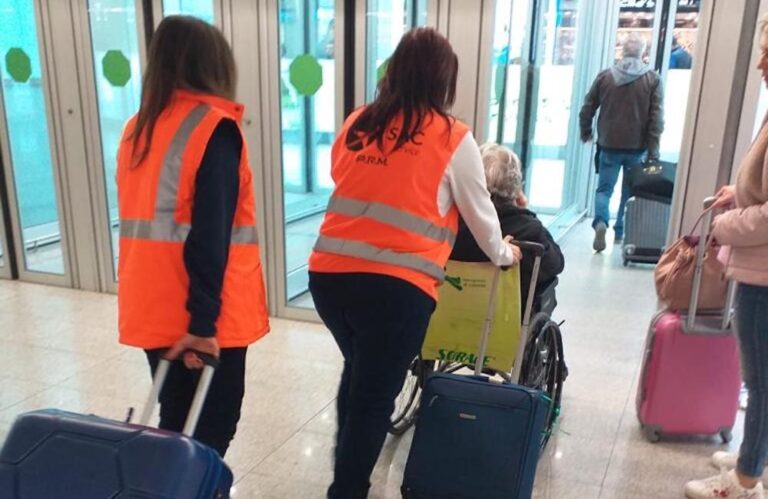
(457, 324)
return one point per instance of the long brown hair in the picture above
(185, 53)
(420, 79)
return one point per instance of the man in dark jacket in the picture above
(504, 178)
(629, 127)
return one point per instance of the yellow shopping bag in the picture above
(457, 324)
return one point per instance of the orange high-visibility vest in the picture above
(155, 201)
(383, 216)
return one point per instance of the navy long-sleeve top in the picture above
(206, 249)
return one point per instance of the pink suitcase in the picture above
(691, 378)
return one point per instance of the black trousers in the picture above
(221, 412)
(379, 323)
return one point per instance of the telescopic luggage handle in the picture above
(538, 251)
(701, 248)
(201, 392)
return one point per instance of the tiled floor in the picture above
(58, 349)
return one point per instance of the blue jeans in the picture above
(752, 329)
(610, 166)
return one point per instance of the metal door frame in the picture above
(48, 84)
(9, 266)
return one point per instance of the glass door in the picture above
(27, 143)
(202, 9)
(115, 52)
(307, 69)
(534, 61)
(676, 73)
(386, 21)
(550, 101)
(512, 72)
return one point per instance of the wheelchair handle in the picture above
(535, 248)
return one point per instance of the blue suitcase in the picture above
(51, 454)
(477, 439)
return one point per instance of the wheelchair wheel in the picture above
(407, 402)
(544, 367)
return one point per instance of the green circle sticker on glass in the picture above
(382, 70)
(306, 75)
(116, 68)
(18, 64)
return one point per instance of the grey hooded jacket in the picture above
(630, 97)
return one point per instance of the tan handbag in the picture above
(674, 274)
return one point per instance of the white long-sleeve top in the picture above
(464, 184)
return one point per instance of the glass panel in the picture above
(551, 113)
(117, 69)
(202, 9)
(678, 80)
(308, 124)
(508, 82)
(499, 62)
(636, 18)
(23, 90)
(387, 21)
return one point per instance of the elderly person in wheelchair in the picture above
(505, 183)
(480, 301)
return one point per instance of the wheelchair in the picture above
(538, 364)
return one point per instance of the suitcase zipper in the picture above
(473, 402)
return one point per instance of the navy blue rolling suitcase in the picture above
(475, 438)
(51, 454)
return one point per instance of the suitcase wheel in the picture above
(726, 434)
(651, 434)
(626, 262)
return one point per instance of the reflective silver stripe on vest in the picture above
(168, 184)
(162, 231)
(391, 216)
(154, 230)
(164, 226)
(367, 251)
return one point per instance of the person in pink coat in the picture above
(743, 232)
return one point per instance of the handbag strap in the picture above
(698, 221)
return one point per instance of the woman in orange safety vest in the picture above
(190, 275)
(404, 169)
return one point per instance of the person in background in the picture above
(505, 183)
(630, 98)
(190, 275)
(679, 58)
(743, 232)
(403, 169)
